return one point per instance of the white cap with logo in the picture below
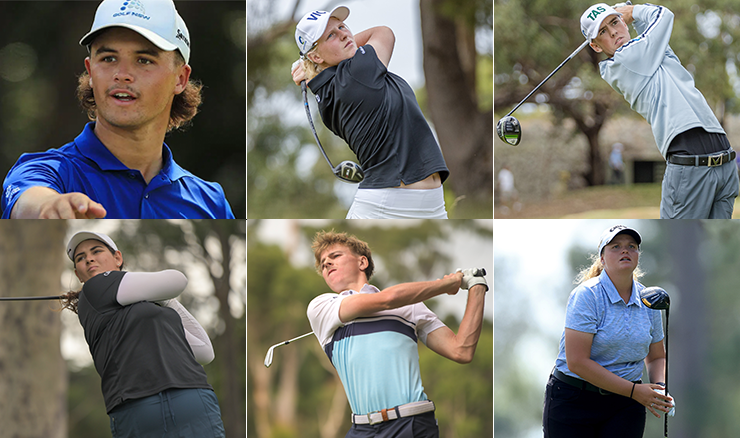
(155, 20)
(609, 235)
(313, 25)
(87, 235)
(592, 18)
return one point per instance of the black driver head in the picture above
(349, 171)
(655, 298)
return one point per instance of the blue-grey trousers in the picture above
(695, 192)
(171, 413)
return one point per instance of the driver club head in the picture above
(350, 172)
(655, 298)
(509, 130)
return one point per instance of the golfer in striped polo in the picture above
(370, 337)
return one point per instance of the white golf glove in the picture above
(469, 280)
(672, 412)
(292, 67)
(619, 5)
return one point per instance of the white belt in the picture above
(407, 410)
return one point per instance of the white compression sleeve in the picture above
(196, 336)
(150, 286)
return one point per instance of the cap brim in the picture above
(149, 35)
(80, 237)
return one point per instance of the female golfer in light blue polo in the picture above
(595, 390)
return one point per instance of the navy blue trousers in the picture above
(572, 412)
(417, 426)
(181, 413)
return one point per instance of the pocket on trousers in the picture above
(560, 391)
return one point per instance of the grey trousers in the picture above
(694, 192)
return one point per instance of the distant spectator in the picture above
(616, 164)
(507, 191)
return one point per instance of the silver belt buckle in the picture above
(715, 160)
(370, 420)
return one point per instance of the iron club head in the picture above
(350, 172)
(509, 130)
(655, 298)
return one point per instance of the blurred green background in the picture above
(40, 59)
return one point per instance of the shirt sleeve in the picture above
(426, 321)
(100, 291)
(323, 315)
(32, 170)
(366, 68)
(151, 286)
(196, 336)
(581, 314)
(644, 54)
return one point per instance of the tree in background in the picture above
(457, 66)
(535, 37)
(40, 59)
(300, 394)
(33, 383)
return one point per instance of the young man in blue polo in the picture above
(136, 88)
(370, 337)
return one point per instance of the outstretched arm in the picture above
(397, 296)
(381, 38)
(196, 336)
(460, 347)
(45, 203)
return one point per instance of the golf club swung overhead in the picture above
(508, 127)
(479, 272)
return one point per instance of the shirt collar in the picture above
(613, 294)
(365, 289)
(93, 149)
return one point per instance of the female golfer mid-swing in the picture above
(376, 113)
(146, 347)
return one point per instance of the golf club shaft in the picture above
(665, 425)
(294, 339)
(575, 52)
(313, 128)
(55, 297)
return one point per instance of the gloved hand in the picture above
(672, 412)
(295, 64)
(470, 279)
(619, 5)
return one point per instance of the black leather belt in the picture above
(711, 160)
(580, 383)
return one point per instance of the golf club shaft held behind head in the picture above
(54, 297)
(508, 127)
(347, 170)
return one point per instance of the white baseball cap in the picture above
(155, 20)
(609, 235)
(87, 235)
(313, 25)
(592, 18)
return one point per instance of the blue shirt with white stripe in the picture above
(651, 78)
(87, 166)
(622, 331)
(376, 357)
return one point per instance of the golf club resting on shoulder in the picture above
(701, 178)
(136, 87)
(376, 113)
(596, 388)
(370, 336)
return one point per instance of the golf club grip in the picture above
(310, 121)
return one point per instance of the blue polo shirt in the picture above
(622, 331)
(87, 166)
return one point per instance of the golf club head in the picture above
(509, 130)
(655, 298)
(268, 358)
(350, 172)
